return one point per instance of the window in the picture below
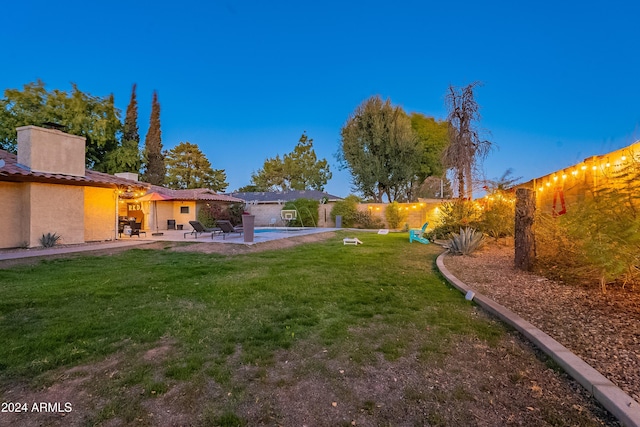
(184, 209)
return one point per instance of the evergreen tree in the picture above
(130, 131)
(127, 157)
(188, 167)
(298, 170)
(155, 168)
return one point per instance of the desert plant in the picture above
(465, 242)
(394, 214)
(49, 240)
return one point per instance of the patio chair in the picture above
(136, 229)
(418, 235)
(200, 229)
(228, 228)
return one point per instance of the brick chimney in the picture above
(51, 151)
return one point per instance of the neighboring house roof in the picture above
(13, 171)
(194, 194)
(284, 196)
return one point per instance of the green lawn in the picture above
(217, 313)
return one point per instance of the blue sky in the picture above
(244, 79)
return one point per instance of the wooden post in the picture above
(525, 245)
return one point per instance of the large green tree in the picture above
(433, 136)
(92, 117)
(188, 167)
(298, 170)
(466, 148)
(381, 150)
(155, 167)
(127, 157)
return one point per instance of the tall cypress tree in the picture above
(130, 131)
(155, 169)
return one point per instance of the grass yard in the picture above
(321, 333)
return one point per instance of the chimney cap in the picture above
(53, 125)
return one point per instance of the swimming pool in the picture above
(275, 230)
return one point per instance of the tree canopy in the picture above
(298, 170)
(92, 117)
(127, 157)
(381, 150)
(188, 167)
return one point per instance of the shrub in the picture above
(49, 240)
(453, 216)
(209, 213)
(395, 215)
(347, 209)
(235, 213)
(598, 238)
(365, 220)
(465, 242)
(497, 218)
(307, 212)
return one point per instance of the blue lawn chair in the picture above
(418, 235)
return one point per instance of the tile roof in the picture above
(13, 171)
(194, 194)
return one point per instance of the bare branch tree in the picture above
(466, 149)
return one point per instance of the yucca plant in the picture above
(49, 240)
(466, 242)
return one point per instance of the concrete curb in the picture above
(70, 249)
(616, 401)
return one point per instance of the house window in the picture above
(184, 209)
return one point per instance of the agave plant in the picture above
(49, 240)
(464, 243)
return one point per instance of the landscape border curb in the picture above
(616, 401)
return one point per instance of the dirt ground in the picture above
(600, 328)
(470, 384)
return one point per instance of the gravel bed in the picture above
(602, 329)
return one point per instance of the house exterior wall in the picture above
(14, 214)
(183, 218)
(51, 151)
(100, 219)
(55, 209)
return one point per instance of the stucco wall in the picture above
(557, 191)
(48, 150)
(14, 212)
(416, 213)
(99, 214)
(55, 209)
